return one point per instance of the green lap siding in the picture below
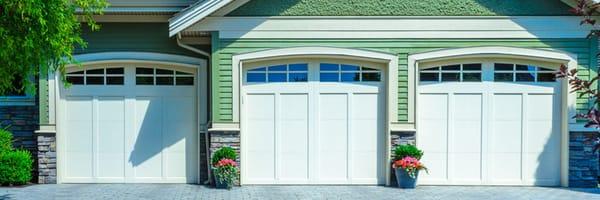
(402, 8)
(224, 49)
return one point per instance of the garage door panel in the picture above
(79, 152)
(294, 137)
(333, 136)
(111, 137)
(178, 123)
(147, 151)
(366, 124)
(466, 137)
(261, 124)
(433, 126)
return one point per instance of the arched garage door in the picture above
(489, 123)
(129, 123)
(313, 122)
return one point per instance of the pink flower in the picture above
(226, 162)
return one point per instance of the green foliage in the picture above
(223, 153)
(6, 141)
(39, 36)
(15, 167)
(402, 151)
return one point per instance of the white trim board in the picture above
(568, 100)
(193, 14)
(394, 27)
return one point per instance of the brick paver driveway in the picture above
(182, 191)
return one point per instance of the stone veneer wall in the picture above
(399, 138)
(22, 121)
(583, 161)
(220, 139)
(46, 158)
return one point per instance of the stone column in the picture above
(46, 155)
(583, 161)
(220, 139)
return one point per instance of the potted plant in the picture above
(407, 165)
(224, 167)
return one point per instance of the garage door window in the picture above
(278, 73)
(329, 72)
(452, 73)
(505, 72)
(156, 76)
(102, 76)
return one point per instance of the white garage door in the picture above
(313, 123)
(490, 123)
(129, 124)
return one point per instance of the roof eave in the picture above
(193, 14)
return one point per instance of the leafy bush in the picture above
(6, 141)
(15, 167)
(402, 151)
(223, 153)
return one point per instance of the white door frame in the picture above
(56, 103)
(388, 60)
(568, 99)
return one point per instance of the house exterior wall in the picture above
(22, 121)
(222, 96)
(402, 8)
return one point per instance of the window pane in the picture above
(450, 77)
(544, 69)
(77, 72)
(298, 67)
(140, 70)
(431, 69)
(277, 77)
(369, 69)
(95, 71)
(503, 67)
(114, 80)
(471, 77)
(91, 80)
(546, 77)
(329, 77)
(376, 76)
(525, 68)
(144, 80)
(256, 77)
(164, 71)
(503, 77)
(329, 67)
(528, 77)
(182, 73)
(262, 69)
(75, 80)
(349, 77)
(164, 81)
(350, 68)
(185, 80)
(472, 67)
(298, 77)
(114, 71)
(429, 77)
(278, 68)
(451, 67)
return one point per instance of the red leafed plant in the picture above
(409, 164)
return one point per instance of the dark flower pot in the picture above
(404, 180)
(221, 185)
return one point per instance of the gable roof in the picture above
(204, 8)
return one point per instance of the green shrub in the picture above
(402, 151)
(224, 152)
(15, 167)
(6, 140)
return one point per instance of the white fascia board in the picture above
(194, 14)
(394, 27)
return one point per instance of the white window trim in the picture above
(568, 99)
